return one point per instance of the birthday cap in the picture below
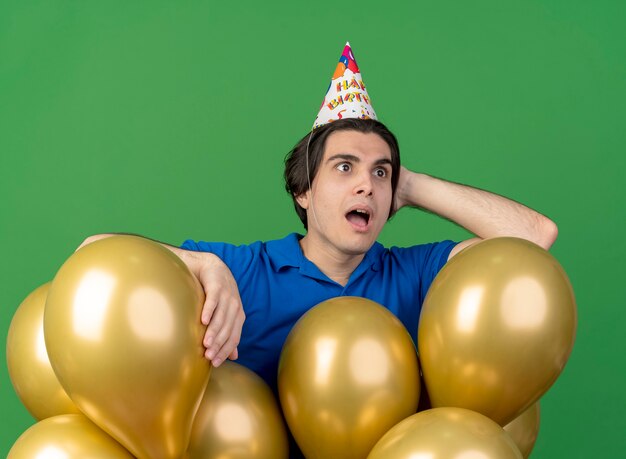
(346, 96)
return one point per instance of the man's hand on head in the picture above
(403, 189)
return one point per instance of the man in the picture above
(346, 181)
(353, 192)
(351, 198)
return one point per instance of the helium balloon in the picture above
(68, 436)
(29, 367)
(348, 372)
(524, 429)
(496, 329)
(443, 433)
(238, 418)
(123, 332)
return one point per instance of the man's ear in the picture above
(303, 200)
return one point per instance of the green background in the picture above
(172, 119)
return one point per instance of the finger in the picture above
(237, 329)
(236, 332)
(231, 311)
(230, 333)
(215, 325)
(210, 303)
(229, 347)
(220, 339)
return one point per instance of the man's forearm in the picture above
(193, 260)
(222, 310)
(483, 213)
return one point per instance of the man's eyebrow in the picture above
(345, 156)
(356, 159)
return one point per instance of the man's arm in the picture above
(222, 311)
(485, 214)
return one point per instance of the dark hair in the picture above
(296, 180)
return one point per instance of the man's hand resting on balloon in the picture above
(222, 311)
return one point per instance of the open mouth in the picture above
(358, 217)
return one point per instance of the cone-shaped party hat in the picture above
(346, 96)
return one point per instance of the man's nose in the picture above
(364, 184)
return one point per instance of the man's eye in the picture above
(380, 172)
(343, 167)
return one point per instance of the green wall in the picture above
(172, 119)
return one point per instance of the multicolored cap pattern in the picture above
(346, 96)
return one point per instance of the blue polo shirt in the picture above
(278, 285)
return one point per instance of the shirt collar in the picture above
(286, 252)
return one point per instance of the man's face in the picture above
(351, 193)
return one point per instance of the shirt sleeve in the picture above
(422, 262)
(432, 258)
(238, 258)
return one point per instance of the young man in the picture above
(352, 194)
(255, 293)
(346, 181)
